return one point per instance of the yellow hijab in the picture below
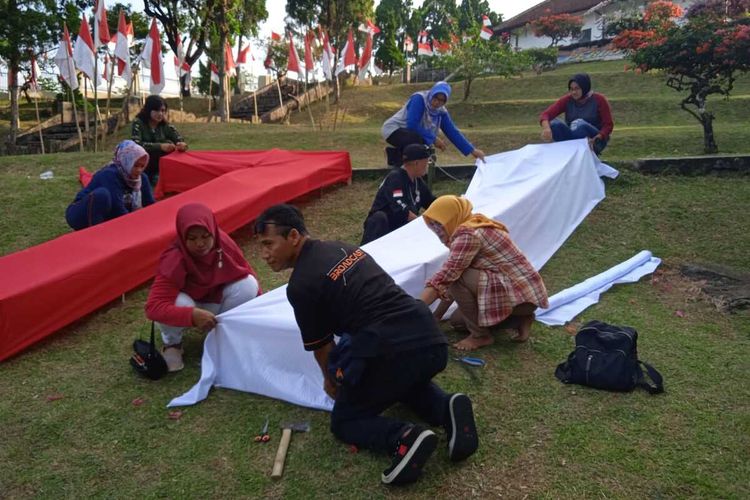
(452, 211)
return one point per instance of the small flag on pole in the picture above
(64, 60)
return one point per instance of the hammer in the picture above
(286, 436)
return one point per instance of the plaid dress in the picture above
(506, 280)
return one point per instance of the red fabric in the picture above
(179, 172)
(203, 278)
(49, 286)
(84, 176)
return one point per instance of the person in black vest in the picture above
(400, 196)
(389, 348)
(587, 114)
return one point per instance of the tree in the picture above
(335, 16)
(470, 14)
(28, 27)
(701, 56)
(438, 17)
(248, 16)
(475, 58)
(557, 27)
(392, 17)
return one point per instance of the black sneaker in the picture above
(411, 453)
(463, 440)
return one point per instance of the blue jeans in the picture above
(578, 130)
(405, 378)
(91, 210)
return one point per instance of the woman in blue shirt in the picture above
(420, 120)
(117, 189)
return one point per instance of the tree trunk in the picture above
(238, 75)
(13, 90)
(467, 88)
(709, 144)
(223, 97)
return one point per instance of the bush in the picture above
(542, 59)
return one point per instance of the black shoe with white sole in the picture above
(463, 440)
(413, 449)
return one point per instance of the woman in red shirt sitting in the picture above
(201, 274)
(488, 276)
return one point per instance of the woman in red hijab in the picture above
(201, 274)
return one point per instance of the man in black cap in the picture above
(400, 196)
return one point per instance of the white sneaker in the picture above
(173, 356)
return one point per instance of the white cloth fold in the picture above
(565, 305)
(541, 192)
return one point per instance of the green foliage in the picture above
(336, 16)
(542, 59)
(470, 14)
(476, 58)
(438, 17)
(390, 55)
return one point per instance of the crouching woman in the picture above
(491, 280)
(201, 274)
(116, 189)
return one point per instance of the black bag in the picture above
(606, 357)
(146, 358)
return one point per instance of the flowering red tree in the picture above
(702, 56)
(557, 27)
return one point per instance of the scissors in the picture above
(263, 437)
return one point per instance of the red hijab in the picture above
(203, 278)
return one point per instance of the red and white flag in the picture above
(131, 33)
(64, 60)
(101, 28)
(293, 58)
(34, 75)
(242, 58)
(348, 56)
(441, 48)
(275, 37)
(486, 33)
(366, 60)
(215, 73)
(229, 64)
(106, 68)
(309, 64)
(151, 57)
(423, 44)
(369, 27)
(122, 51)
(83, 52)
(408, 43)
(486, 21)
(328, 57)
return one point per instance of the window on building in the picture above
(585, 35)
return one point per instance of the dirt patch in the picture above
(726, 288)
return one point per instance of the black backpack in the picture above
(606, 357)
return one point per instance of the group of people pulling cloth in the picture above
(390, 345)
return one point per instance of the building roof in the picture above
(541, 10)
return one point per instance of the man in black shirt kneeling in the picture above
(389, 348)
(401, 195)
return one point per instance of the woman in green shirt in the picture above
(155, 135)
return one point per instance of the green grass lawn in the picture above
(71, 426)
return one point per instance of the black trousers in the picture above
(401, 378)
(375, 226)
(400, 138)
(152, 169)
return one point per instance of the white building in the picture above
(595, 14)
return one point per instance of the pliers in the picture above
(263, 437)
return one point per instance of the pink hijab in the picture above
(203, 278)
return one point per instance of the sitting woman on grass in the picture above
(491, 280)
(587, 114)
(201, 274)
(152, 131)
(117, 189)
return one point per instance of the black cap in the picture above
(416, 152)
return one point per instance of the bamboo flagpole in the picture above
(75, 119)
(34, 84)
(86, 106)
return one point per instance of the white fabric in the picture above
(565, 305)
(541, 192)
(64, 62)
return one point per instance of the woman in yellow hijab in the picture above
(488, 276)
